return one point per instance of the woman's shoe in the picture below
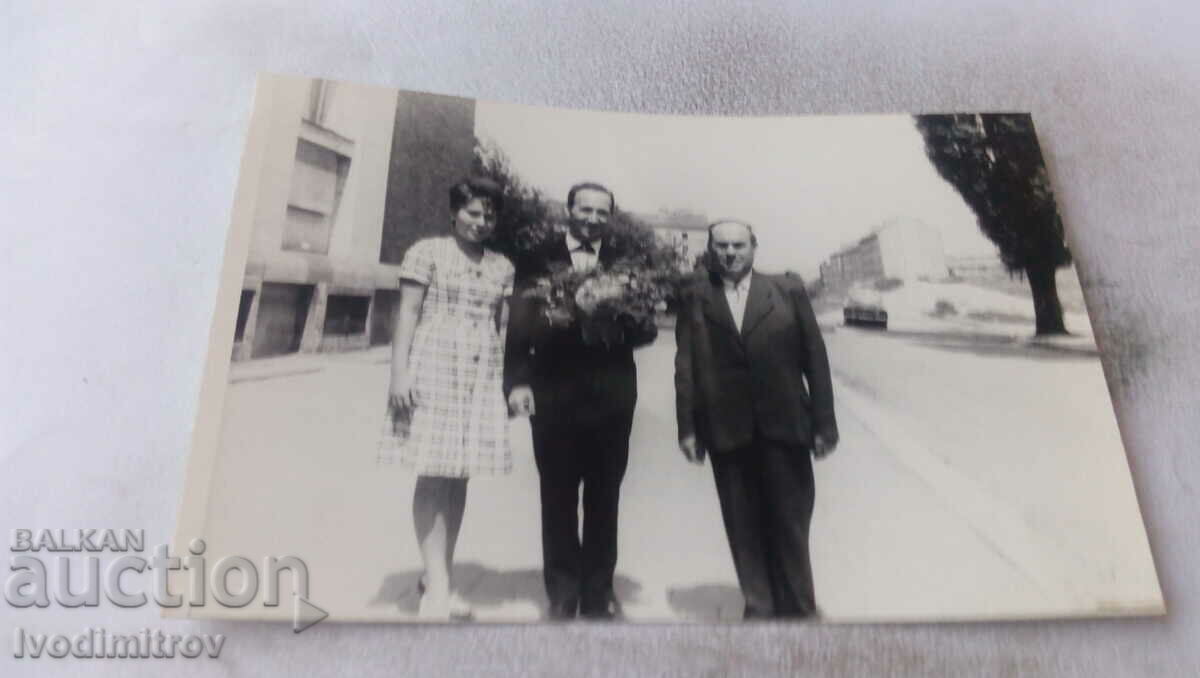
(433, 608)
(460, 608)
(456, 606)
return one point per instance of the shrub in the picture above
(943, 308)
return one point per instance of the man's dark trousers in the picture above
(584, 396)
(757, 398)
(579, 572)
(767, 493)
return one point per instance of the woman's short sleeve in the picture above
(419, 262)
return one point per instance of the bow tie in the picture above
(585, 246)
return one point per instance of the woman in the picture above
(447, 416)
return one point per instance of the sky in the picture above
(809, 185)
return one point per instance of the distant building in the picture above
(684, 230)
(903, 249)
(689, 242)
(983, 267)
(348, 177)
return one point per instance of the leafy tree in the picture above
(525, 217)
(995, 164)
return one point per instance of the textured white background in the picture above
(121, 126)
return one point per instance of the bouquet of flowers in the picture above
(607, 302)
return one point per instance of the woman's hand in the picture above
(400, 392)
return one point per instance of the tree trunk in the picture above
(1047, 310)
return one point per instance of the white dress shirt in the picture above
(583, 260)
(736, 294)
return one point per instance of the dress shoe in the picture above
(610, 610)
(563, 610)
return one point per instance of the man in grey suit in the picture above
(754, 393)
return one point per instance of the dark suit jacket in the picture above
(573, 383)
(772, 378)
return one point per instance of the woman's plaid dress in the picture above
(459, 424)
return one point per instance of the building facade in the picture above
(979, 267)
(684, 230)
(351, 176)
(689, 242)
(902, 249)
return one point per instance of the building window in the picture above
(281, 318)
(346, 314)
(317, 181)
(243, 315)
(383, 316)
(319, 95)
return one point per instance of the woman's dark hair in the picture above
(467, 190)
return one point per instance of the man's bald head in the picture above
(727, 224)
(731, 247)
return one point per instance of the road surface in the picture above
(975, 477)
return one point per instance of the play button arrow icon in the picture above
(305, 614)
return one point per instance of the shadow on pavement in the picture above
(483, 587)
(707, 602)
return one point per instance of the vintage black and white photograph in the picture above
(477, 361)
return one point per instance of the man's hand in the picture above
(520, 401)
(692, 450)
(558, 318)
(823, 447)
(642, 331)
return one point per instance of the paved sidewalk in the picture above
(896, 534)
(295, 364)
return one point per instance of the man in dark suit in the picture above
(754, 393)
(581, 397)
